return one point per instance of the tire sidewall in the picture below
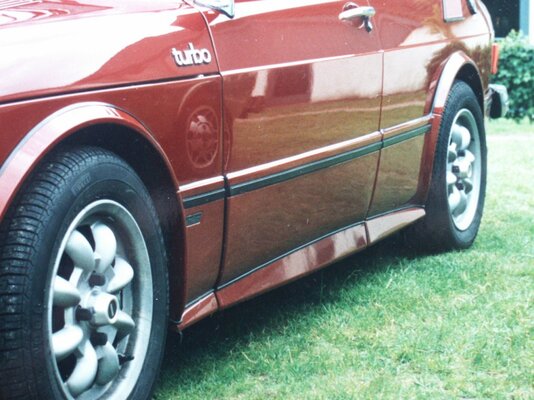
(461, 97)
(108, 178)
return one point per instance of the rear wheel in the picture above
(83, 284)
(456, 198)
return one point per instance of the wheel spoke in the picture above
(453, 153)
(124, 325)
(105, 245)
(454, 199)
(65, 341)
(85, 371)
(80, 251)
(65, 293)
(124, 274)
(461, 136)
(469, 157)
(451, 178)
(468, 185)
(462, 205)
(108, 364)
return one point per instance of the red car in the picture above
(161, 160)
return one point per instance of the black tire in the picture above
(446, 227)
(92, 192)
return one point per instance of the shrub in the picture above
(516, 72)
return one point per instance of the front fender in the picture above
(53, 130)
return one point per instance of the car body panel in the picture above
(164, 110)
(176, 103)
(303, 140)
(298, 263)
(278, 106)
(197, 310)
(396, 187)
(97, 47)
(88, 52)
(51, 131)
(302, 261)
(422, 31)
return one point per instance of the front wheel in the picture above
(83, 305)
(456, 199)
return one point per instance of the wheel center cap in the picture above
(105, 308)
(112, 309)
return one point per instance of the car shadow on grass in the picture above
(214, 338)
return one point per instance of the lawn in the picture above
(388, 322)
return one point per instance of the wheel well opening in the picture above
(146, 161)
(469, 74)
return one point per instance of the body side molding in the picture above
(198, 309)
(205, 197)
(300, 262)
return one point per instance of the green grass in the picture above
(388, 323)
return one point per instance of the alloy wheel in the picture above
(464, 169)
(100, 303)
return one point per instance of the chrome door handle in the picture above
(357, 12)
(364, 13)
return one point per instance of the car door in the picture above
(417, 36)
(410, 34)
(302, 91)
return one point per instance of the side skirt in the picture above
(300, 262)
(197, 310)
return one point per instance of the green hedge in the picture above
(516, 72)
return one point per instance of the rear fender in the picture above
(457, 66)
(451, 70)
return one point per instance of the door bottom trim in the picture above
(315, 255)
(300, 262)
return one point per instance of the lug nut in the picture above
(83, 314)
(97, 279)
(456, 169)
(460, 186)
(99, 338)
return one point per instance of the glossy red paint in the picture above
(202, 186)
(279, 153)
(294, 265)
(395, 187)
(443, 38)
(381, 227)
(198, 310)
(314, 256)
(95, 44)
(278, 105)
(204, 245)
(50, 132)
(449, 73)
(276, 219)
(162, 112)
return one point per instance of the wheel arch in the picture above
(458, 66)
(105, 126)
